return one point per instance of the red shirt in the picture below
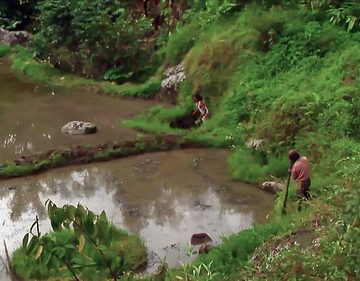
(301, 170)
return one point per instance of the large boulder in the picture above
(14, 37)
(79, 128)
(173, 77)
(200, 238)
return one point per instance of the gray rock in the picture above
(173, 70)
(79, 128)
(255, 144)
(14, 37)
(200, 238)
(173, 81)
(173, 78)
(272, 186)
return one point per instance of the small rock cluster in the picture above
(14, 37)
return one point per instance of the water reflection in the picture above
(161, 196)
(31, 117)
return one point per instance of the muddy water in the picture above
(163, 197)
(31, 115)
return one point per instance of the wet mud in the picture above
(32, 115)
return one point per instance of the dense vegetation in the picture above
(81, 246)
(281, 70)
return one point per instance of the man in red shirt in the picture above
(301, 173)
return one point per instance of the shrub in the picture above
(4, 50)
(180, 42)
(16, 14)
(81, 244)
(91, 37)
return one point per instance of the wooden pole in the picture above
(284, 211)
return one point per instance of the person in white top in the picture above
(200, 109)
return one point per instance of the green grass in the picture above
(4, 50)
(23, 61)
(290, 77)
(157, 120)
(68, 156)
(16, 170)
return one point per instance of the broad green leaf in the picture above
(77, 230)
(81, 243)
(90, 274)
(38, 252)
(103, 216)
(46, 257)
(32, 245)
(116, 264)
(70, 211)
(102, 230)
(50, 207)
(66, 224)
(25, 241)
(55, 222)
(32, 226)
(80, 214)
(89, 224)
(82, 261)
(60, 252)
(54, 262)
(61, 215)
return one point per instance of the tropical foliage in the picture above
(81, 246)
(284, 71)
(17, 14)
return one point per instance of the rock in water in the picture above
(79, 128)
(200, 238)
(272, 186)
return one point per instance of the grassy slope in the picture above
(284, 76)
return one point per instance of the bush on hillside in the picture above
(91, 37)
(16, 14)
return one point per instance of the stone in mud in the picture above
(200, 238)
(14, 37)
(79, 128)
(272, 186)
(20, 160)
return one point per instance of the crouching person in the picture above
(201, 110)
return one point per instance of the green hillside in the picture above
(284, 71)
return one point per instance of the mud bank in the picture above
(27, 165)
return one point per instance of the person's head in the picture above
(293, 155)
(197, 98)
